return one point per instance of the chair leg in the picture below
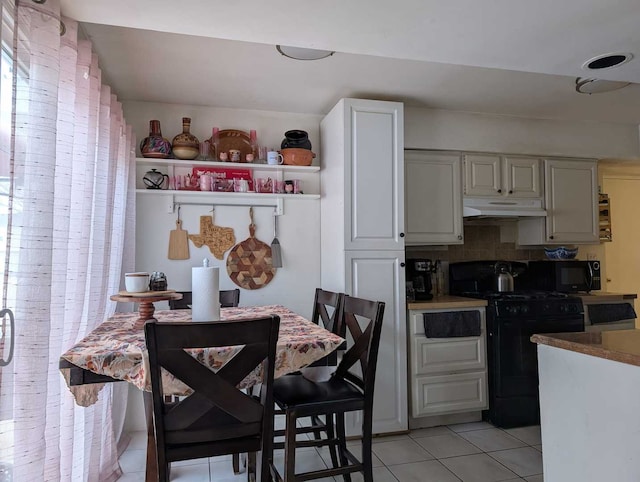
(331, 435)
(367, 458)
(251, 467)
(342, 443)
(290, 446)
(236, 463)
(163, 472)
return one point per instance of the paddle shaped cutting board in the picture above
(249, 263)
(178, 242)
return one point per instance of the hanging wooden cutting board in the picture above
(218, 239)
(178, 242)
(249, 263)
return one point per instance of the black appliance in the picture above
(512, 318)
(418, 274)
(567, 276)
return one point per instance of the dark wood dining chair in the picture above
(327, 312)
(228, 299)
(344, 392)
(217, 418)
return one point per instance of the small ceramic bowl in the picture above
(561, 252)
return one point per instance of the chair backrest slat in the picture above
(365, 342)
(322, 301)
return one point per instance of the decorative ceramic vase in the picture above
(186, 145)
(155, 145)
(296, 139)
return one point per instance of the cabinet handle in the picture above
(460, 236)
(551, 237)
(500, 190)
(402, 265)
(402, 235)
(510, 191)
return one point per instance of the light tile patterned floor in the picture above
(472, 452)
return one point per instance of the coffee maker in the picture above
(419, 278)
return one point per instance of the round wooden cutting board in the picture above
(249, 263)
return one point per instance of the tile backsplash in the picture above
(481, 242)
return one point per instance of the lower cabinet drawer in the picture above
(441, 394)
(438, 355)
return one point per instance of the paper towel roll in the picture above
(205, 294)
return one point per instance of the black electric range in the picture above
(512, 318)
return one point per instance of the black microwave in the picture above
(567, 276)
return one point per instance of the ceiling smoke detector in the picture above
(597, 86)
(299, 53)
(607, 61)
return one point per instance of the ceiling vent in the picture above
(607, 61)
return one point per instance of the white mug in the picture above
(274, 157)
(136, 282)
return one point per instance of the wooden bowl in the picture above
(294, 156)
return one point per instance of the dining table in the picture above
(116, 351)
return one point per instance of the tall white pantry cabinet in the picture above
(362, 234)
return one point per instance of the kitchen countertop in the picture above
(446, 301)
(618, 345)
(603, 296)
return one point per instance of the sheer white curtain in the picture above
(71, 232)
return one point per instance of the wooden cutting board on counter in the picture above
(249, 263)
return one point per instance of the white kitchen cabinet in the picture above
(498, 175)
(366, 138)
(571, 202)
(379, 275)
(433, 198)
(362, 234)
(446, 375)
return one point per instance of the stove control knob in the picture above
(525, 309)
(573, 308)
(563, 308)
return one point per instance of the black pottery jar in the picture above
(296, 139)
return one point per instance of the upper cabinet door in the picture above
(433, 192)
(374, 177)
(482, 175)
(522, 177)
(571, 201)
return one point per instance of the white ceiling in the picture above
(496, 56)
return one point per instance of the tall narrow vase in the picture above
(155, 145)
(186, 145)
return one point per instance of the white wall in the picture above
(299, 232)
(439, 129)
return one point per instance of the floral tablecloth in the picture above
(117, 350)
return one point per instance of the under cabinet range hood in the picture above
(475, 207)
